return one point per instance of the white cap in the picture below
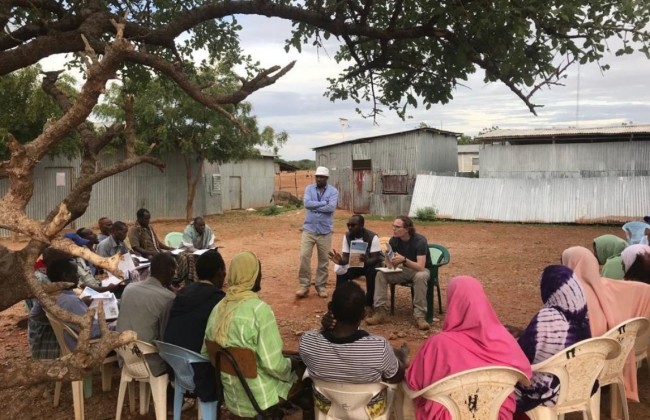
(322, 171)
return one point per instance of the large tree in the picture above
(397, 53)
(177, 124)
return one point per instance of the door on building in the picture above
(235, 192)
(59, 182)
(361, 185)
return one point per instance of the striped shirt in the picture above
(360, 358)
(253, 326)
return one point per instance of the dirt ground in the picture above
(507, 258)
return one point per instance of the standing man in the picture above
(372, 258)
(410, 251)
(142, 237)
(320, 202)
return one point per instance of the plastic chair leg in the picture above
(120, 397)
(392, 298)
(208, 410)
(131, 389)
(594, 404)
(618, 403)
(78, 399)
(178, 400)
(57, 393)
(107, 376)
(144, 398)
(159, 393)
(542, 413)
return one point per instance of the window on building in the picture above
(362, 164)
(394, 184)
(474, 161)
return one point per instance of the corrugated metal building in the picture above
(377, 174)
(222, 187)
(566, 153)
(468, 158)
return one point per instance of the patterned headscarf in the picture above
(243, 272)
(561, 323)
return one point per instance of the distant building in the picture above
(377, 174)
(221, 187)
(566, 153)
(468, 158)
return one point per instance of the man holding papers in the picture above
(198, 235)
(361, 253)
(409, 251)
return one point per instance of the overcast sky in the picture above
(296, 103)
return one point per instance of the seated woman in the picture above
(636, 263)
(561, 323)
(608, 250)
(609, 302)
(472, 336)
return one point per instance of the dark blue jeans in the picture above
(369, 272)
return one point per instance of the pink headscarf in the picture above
(609, 302)
(630, 253)
(472, 336)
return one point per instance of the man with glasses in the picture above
(371, 258)
(320, 202)
(409, 254)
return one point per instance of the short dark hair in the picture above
(348, 303)
(57, 269)
(359, 218)
(196, 219)
(640, 269)
(51, 254)
(408, 224)
(161, 262)
(118, 226)
(209, 264)
(140, 213)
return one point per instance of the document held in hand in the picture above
(357, 249)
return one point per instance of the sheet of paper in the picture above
(140, 259)
(111, 309)
(389, 270)
(357, 249)
(200, 251)
(176, 251)
(111, 279)
(126, 264)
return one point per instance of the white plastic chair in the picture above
(350, 401)
(625, 333)
(60, 329)
(641, 347)
(577, 367)
(474, 394)
(135, 368)
(635, 231)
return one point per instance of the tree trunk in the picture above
(192, 179)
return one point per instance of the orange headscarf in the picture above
(609, 302)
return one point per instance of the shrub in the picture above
(426, 213)
(271, 211)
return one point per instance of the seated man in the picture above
(145, 304)
(142, 237)
(84, 268)
(371, 259)
(410, 251)
(347, 354)
(242, 320)
(189, 314)
(114, 242)
(105, 225)
(198, 235)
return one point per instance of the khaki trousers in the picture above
(420, 281)
(323, 245)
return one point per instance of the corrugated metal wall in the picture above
(162, 193)
(566, 160)
(410, 153)
(256, 178)
(571, 200)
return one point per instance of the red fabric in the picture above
(39, 264)
(472, 336)
(609, 302)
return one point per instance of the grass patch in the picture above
(275, 209)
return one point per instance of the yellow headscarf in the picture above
(243, 272)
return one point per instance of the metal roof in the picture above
(622, 130)
(366, 139)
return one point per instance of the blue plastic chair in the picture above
(635, 231)
(174, 239)
(181, 360)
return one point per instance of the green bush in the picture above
(271, 211)
(426, 213)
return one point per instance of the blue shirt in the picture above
(320, 209)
